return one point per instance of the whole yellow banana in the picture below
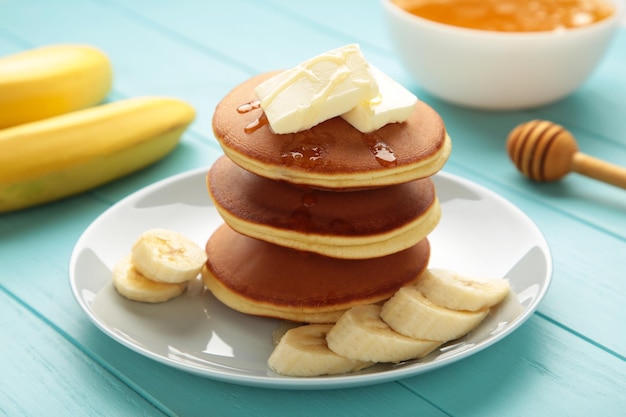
(64, 155)
(51, 80)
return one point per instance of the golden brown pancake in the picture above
(333, 154)
(260, 278)
(356, 224)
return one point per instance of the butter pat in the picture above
(318, 89)
(393, 104)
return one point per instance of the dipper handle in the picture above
(599, 169)
(544, 151)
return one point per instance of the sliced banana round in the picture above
(409, 313)
(133, 285)
(302, 351)
(460, 292)
(360, 334)
(167, 256)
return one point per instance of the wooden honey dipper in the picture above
(544, 151)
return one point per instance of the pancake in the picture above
(260, 278)
(333, 154)
(355, 225)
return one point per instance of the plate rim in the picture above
(321, 382)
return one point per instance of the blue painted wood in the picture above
(44, 374)
(529, 373)
(569, 359)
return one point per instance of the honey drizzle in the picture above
(249, 106)
(309, 199)
(303, 219)
(512, 15)
(310, 156)
(383, 153)
(257, 123)
(303, 156)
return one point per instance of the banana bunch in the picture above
(52, 80)
(159, 266)
(440, 307)
(56, 142)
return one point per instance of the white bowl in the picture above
(497, 70)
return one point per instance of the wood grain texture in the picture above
(43, 373)
(569, 359)
(535, 369)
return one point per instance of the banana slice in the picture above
(167, 256)
(409, 313)
(459, 292)
(360, 334)
(302, 351)
(133, 285)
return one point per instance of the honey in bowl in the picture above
(511, 15)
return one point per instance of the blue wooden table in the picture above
(568, 359)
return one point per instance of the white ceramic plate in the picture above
(480, 233)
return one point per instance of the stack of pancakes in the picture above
(320, 220)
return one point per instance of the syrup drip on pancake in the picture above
(309, 199)
(381, 151)
(304, 156)
(301, 218)
(256, 123)
(249, 106)
(308, 156)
